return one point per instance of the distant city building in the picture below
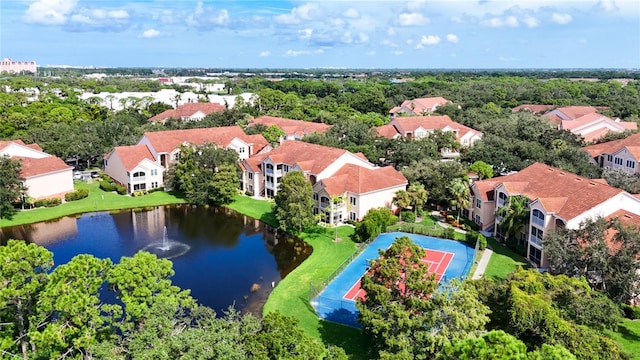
(9, 66)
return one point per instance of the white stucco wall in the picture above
(56, 183)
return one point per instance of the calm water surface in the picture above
(228, 253)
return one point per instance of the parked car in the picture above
(94, 174)
(77, 175)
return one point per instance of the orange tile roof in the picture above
(543, 181)
(187, 110)
(429, 123)
(292, 127)
(611, 147)
(34, 167)
(131, 156)
(485, 189)
(169, 140)
(388, 131)
(309, 157)
(359, 180)
(257, 140)
(574, 112)
(422, 105)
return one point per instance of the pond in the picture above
(224, 257)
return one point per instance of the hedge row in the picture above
(47, 202)
(76, 195)
(111, 186)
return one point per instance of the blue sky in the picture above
(332, 33)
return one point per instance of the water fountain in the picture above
(167, 249)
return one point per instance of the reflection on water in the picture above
(233, 259)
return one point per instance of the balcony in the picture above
(537, 221)
(272, 172)
(269, 184)
(138, 179)
(535, 240)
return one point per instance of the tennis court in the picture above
(448, 259)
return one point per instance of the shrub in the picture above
(408, 216)
(76, 195)
(631, 312)
(121, 189)
(139, 193)
(48, 202)
(449, 233)
(107, 186)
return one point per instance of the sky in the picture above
(385, 34)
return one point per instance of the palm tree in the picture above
(515, 215)
(459, 189)
(402, 200)
(419, 196)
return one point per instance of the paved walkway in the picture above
(482, 264)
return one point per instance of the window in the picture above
(352, 200)
(315, 196)
(324, 202)
(609, 158)
(105, 163)
(137, 187)
(154, 184)
(536, 236)
(154, 172)
(631, 164)
(618, 161)
(285, 168)
(538, 217)
(477, 219)
(535, 255)
(241, 150)
(138, 174)
(352, 216)
(478, 203)
(250, 176)
(502, 199)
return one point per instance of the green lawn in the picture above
(97, 200)
(628, 336)
(503, 261)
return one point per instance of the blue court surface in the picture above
(332, 305)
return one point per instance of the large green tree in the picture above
(294, 202)
(196, 176)
(23, 275)
(405, 314)
(555, 310)
(602, 251)
(11, 187)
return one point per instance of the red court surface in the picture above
(438, 262)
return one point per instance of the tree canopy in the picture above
(294, 202)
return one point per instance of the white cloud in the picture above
(561, 19)
(412, 19)
(298, 14)
(391, 31)
(398, 52)
(363, 38)
(204, 18)
(452, 38)
(428, 40)
(388, 43)
(371, 53)
(346, 38)
(496, 22)
(151, 33)
(292, 53)
(265, 53)
(118, 14)
(531, 22)
(351, 13)
(305, 34)
(49, 12)
(416, 5)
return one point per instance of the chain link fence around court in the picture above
(341, 310)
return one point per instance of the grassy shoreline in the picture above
(291, 296)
